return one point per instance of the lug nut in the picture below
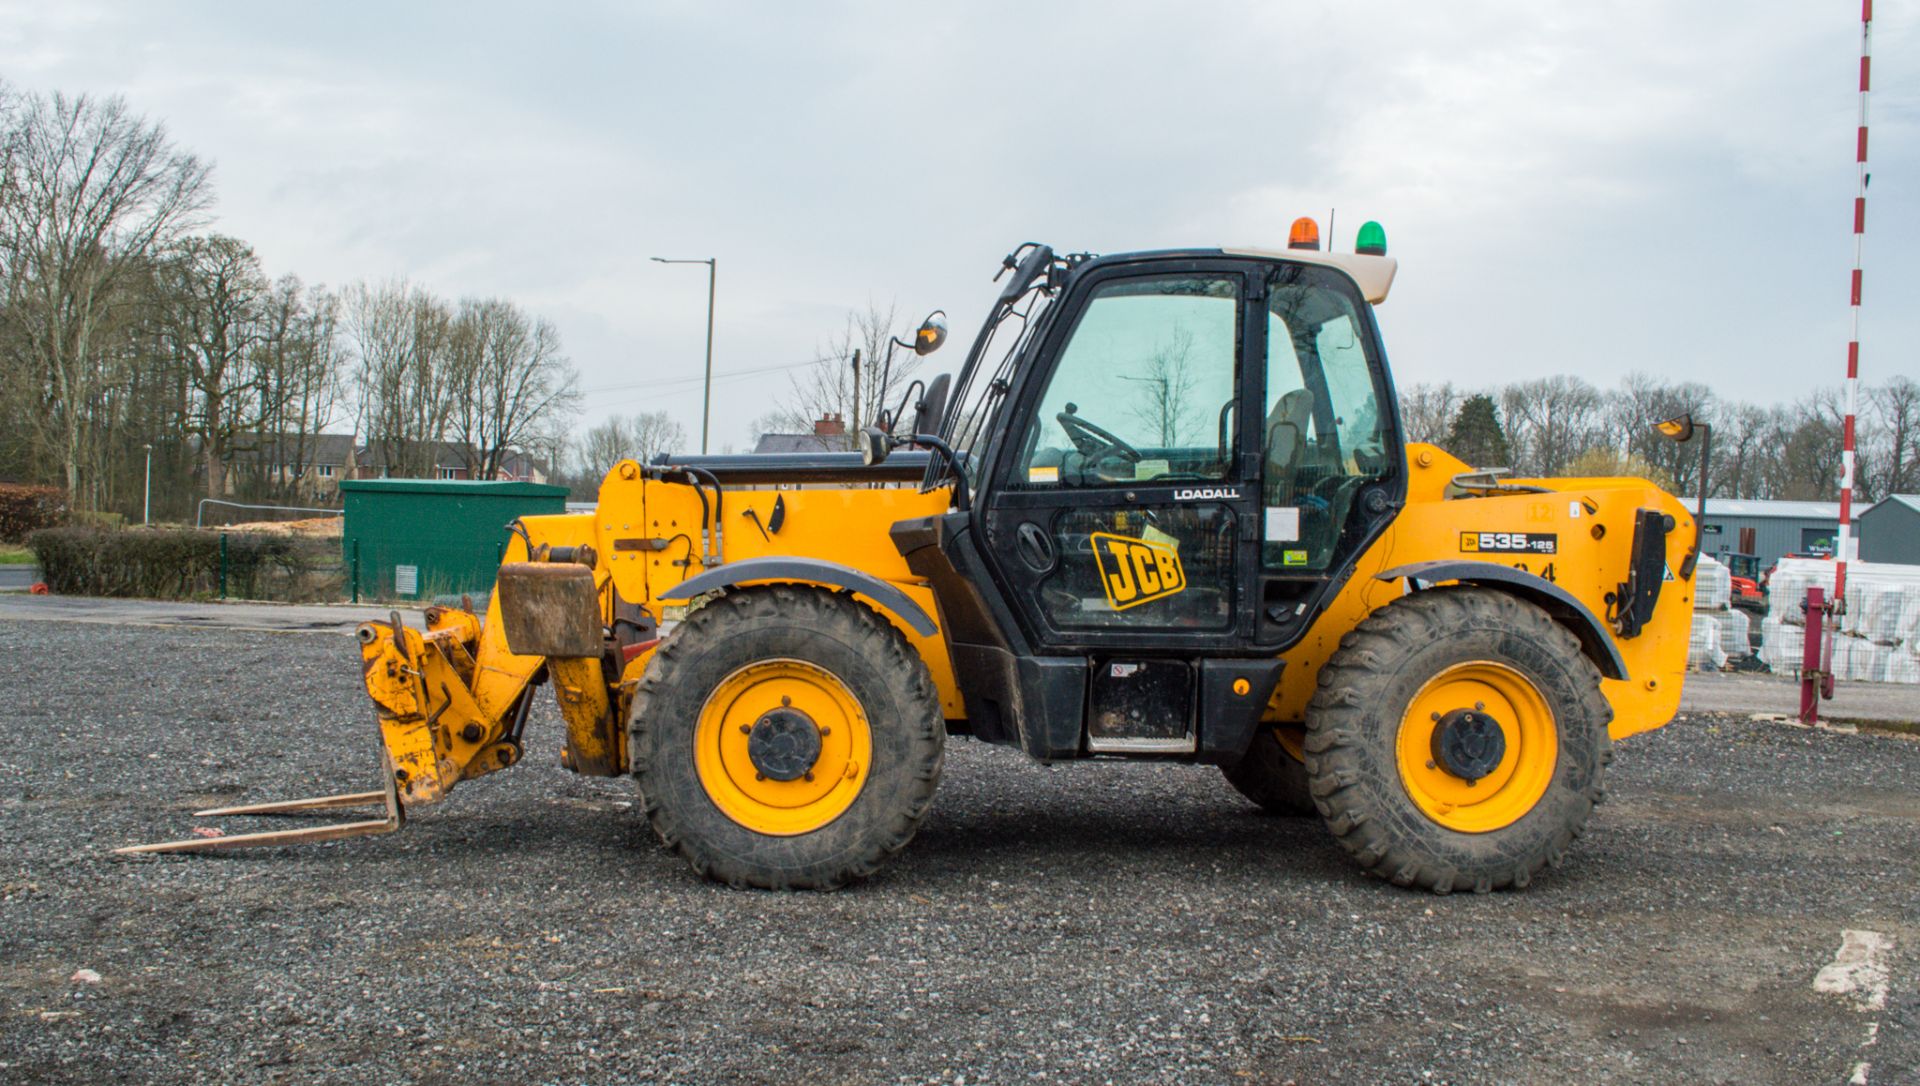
(785, 700)
(746, 729)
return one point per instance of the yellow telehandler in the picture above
(1164, 511)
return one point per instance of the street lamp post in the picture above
(706, 397)
(146, 502)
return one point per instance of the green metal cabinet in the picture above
(422, 538)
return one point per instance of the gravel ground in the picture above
(1087, 923)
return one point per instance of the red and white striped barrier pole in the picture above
(1816, 678)
(1853, 344)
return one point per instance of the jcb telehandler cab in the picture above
(1166, 511)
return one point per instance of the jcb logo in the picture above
(1134, 571)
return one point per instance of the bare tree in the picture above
(1427, 411)
(1895, 430)
(1166, 387)
(509, 382)
(778, 421)
(213, 293)
(1798, 451)
(298, 379)
(92, 190)
(1644, 400)
(405, 397)
(1808, 464)
(835, 386)
(638, 437)
(1550, 422)
(1739, 447)
(653, 433)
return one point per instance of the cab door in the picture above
(1332, 463)
(1123, 513)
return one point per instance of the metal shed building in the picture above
(1890, 531)
(421, 538)
(1778, 528)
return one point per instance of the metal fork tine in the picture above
(347, 799)
(390, 795)
(265, 840)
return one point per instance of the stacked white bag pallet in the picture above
(1879, 632)
(1720, 633)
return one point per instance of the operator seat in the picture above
(1286, 444)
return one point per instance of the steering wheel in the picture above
(1093, 442)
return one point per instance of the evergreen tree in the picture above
(1476, 436)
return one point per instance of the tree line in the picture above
(1563, 425)
(127, 330)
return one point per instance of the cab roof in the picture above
(1373, 274)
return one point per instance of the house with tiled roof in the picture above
(829, 435)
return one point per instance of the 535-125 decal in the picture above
(1510, 542)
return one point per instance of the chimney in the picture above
(831, 424)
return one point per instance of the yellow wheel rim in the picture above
(761, 803)
(1512, 787)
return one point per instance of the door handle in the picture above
(1035, 546)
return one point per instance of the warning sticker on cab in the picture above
(1510, 542)
(1137, 571)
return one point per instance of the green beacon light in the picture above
(1372, 240)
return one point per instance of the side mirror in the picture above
(874, 445)
(1679, 428)
(931, 411)
(932, 333)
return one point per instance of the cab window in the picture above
(1324, 434)
(1143, 389)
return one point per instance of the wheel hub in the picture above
(1469, 744)
(784, 744)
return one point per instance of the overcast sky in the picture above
(1586, 189)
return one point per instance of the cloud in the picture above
(1589, 190)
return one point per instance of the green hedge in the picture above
(185, 563)
(27, 509)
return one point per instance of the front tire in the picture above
(786, 738)
(1457, 740)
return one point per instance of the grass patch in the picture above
(15, 556)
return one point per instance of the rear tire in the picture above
(1273, 776)
(1400, 676)
(742, 685)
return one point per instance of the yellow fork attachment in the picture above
(330, 832)
(451, 700)
(413, 678)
